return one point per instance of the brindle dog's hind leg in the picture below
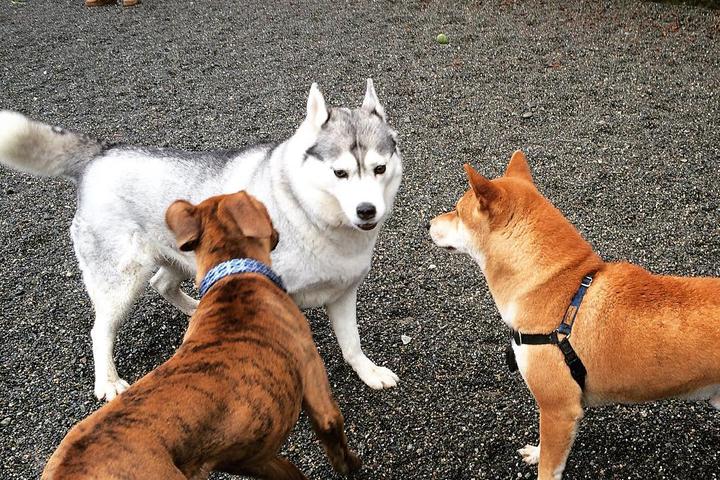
(326, 419)
(276, 469)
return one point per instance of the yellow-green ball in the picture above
(442, 39)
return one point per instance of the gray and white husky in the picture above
(328, 189)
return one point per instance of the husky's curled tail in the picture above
(41, 149)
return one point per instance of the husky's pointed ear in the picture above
(485, 191)
(518, 167)
(371, 104)
(317, 113)
(249, 215)
(181, 217)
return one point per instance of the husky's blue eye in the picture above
(341, 173)
(379, 170)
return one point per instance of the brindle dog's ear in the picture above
(250, 215)
(274, 240)
(183, 221)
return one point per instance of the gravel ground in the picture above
(616, 103)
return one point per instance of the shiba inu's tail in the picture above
(41, 149)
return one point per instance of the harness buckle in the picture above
(587, 281)
(564, 329)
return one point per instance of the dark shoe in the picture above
(98, 3)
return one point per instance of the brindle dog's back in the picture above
(246, 346)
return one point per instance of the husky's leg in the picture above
(113, 278)
(343, 317)
(167, 283)
(112, 304)
(715, 401)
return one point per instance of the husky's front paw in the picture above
(530, 454)
(108, 389)
(374, 376)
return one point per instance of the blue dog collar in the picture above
(238, 265)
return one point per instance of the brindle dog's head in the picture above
(222, 228)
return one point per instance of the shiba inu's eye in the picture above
(379, 170)
(341, 173)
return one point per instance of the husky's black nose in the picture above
(366, 211)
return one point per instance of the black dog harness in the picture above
(577, 369)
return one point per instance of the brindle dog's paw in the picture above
(346, 463)
(353, 461)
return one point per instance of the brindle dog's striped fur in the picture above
(230, 395)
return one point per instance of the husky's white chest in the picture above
(320, 277)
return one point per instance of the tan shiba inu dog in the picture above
(640, 336)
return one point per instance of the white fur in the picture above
(530, 454)
(508, 312)
(121, 240)
(37, 148)
(357, 188)
(710, 393)
(371, 102)
(455, 235)
(446, 234)
(316, 110)
(342, 315)
(14, 128)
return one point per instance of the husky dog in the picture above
(328, 189)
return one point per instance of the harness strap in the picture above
(577, 369)
(534, 338)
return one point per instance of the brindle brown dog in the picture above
(230, 395)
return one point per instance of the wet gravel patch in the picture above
(617, 105)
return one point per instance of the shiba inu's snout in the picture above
(484, 209)
(445, 232)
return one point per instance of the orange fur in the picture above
(641, 336)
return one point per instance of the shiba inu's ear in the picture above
(485, 191)
(250, 215)
(371, 104)
(518, 167)
(317, 113)
(182, 220)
